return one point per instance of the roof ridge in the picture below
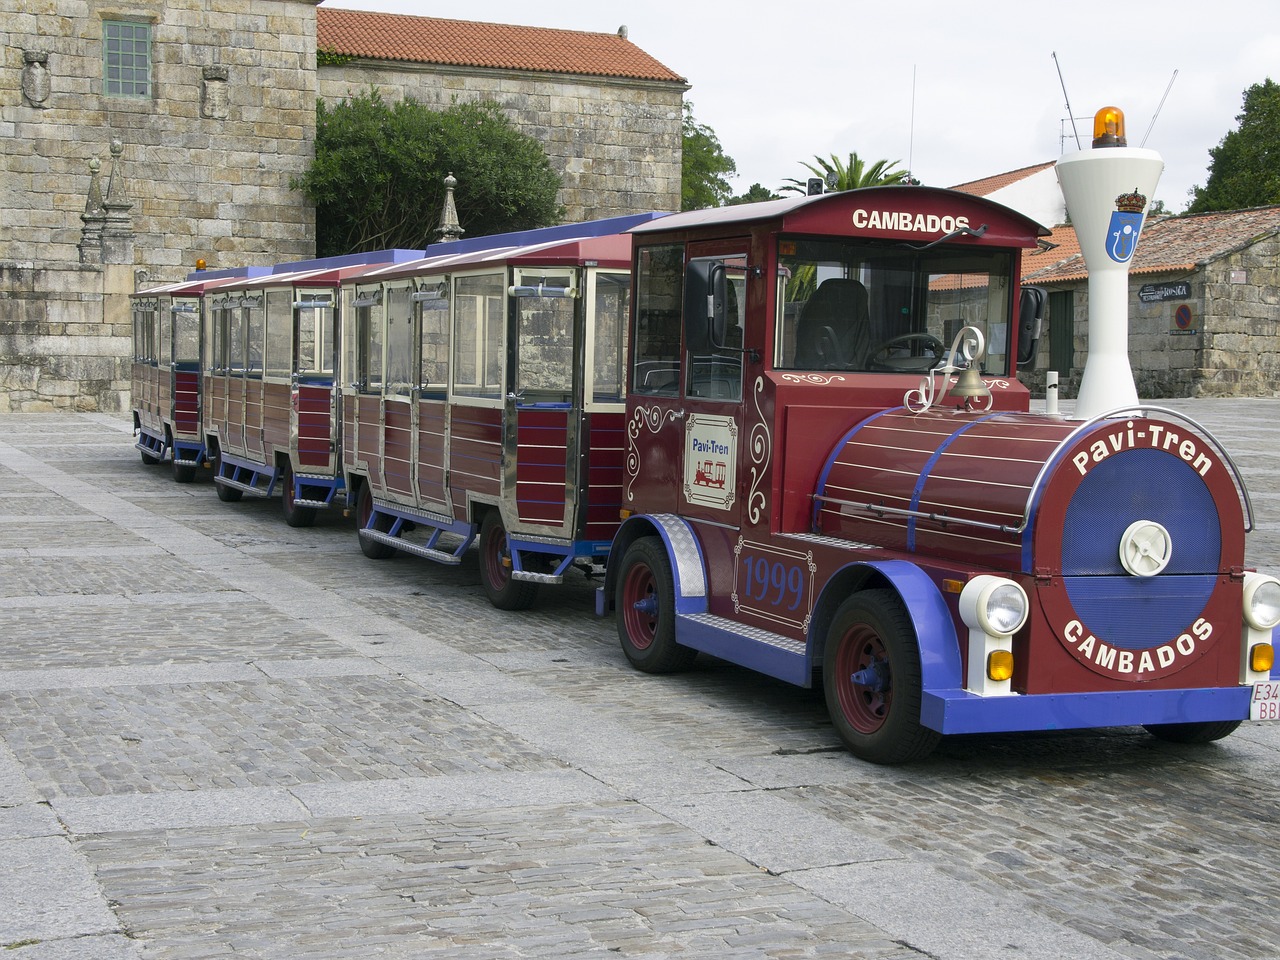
(414, 38)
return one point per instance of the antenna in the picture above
(911, 139)
(1067, 101)
(1159, 108)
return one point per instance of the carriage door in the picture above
(362, 449)
(542, 414)
(399, 426)
(254, 384)
(714, 305)
(313, 403)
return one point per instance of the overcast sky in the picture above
(956, 91)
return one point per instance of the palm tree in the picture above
(838, 175)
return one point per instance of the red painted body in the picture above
(484, 403)
(824, 472)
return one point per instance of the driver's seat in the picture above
(834, 329)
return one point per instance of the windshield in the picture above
(877, 307)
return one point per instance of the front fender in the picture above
(940, 666)
(688, 566)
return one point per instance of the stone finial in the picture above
(94, 218)
(622, 31)
(117, 196)
(449, 228)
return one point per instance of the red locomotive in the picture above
(893, 520)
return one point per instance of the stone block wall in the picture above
(1230, 348)
(615, 143)
(65, 337)
(203, 173)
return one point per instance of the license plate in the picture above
(1265, 704)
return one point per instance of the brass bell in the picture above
(969, 384)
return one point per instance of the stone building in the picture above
(1204, 306)
(607, 114)
(212, 108)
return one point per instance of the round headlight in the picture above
(993, 605)
(1261, 601)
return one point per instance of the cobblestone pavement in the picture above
(223, 737)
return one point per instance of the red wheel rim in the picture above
(495, 550)
(864, 705)
(639, 588)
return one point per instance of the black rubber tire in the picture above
(372, 549)
(148, 459)
(183, 472)
(503, 591)
(225, 494)
(1203, 732)
(878, 722)
(645, 600)
(294, 515)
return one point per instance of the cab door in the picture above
(709, 457)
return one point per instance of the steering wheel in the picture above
(880, 358)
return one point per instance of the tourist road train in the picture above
(788, 434)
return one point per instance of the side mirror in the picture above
(1030, 321)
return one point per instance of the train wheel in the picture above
(183, 472)
(294, 515)
(646, 604)
(149, 460)
(503, 591)
(373, 549)
(871, 677)
(225, 494)
(1203, 732)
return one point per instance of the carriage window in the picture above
(368, 345)
(433, 314)
(315, 333)
(255, 335)
(278, 359)
(659, 288)
(887, 308)
(544, 330)
(235, 339)
(144, 332)
(186, 332)
(477, 335)
(164, 341)
(218, 348)
(608, 321)
(400, 365)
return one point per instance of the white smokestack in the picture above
(1107, 191)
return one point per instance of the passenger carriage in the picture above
(486, 401)
(270, 417)
(166, 370)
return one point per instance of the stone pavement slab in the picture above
(224, 737)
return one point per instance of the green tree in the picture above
(1244, 169)
(704, 167)
(754, 194)
(377, 180)
(847, 175)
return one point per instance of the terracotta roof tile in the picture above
(1167, 245)
(462, 43)
(989, 185)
